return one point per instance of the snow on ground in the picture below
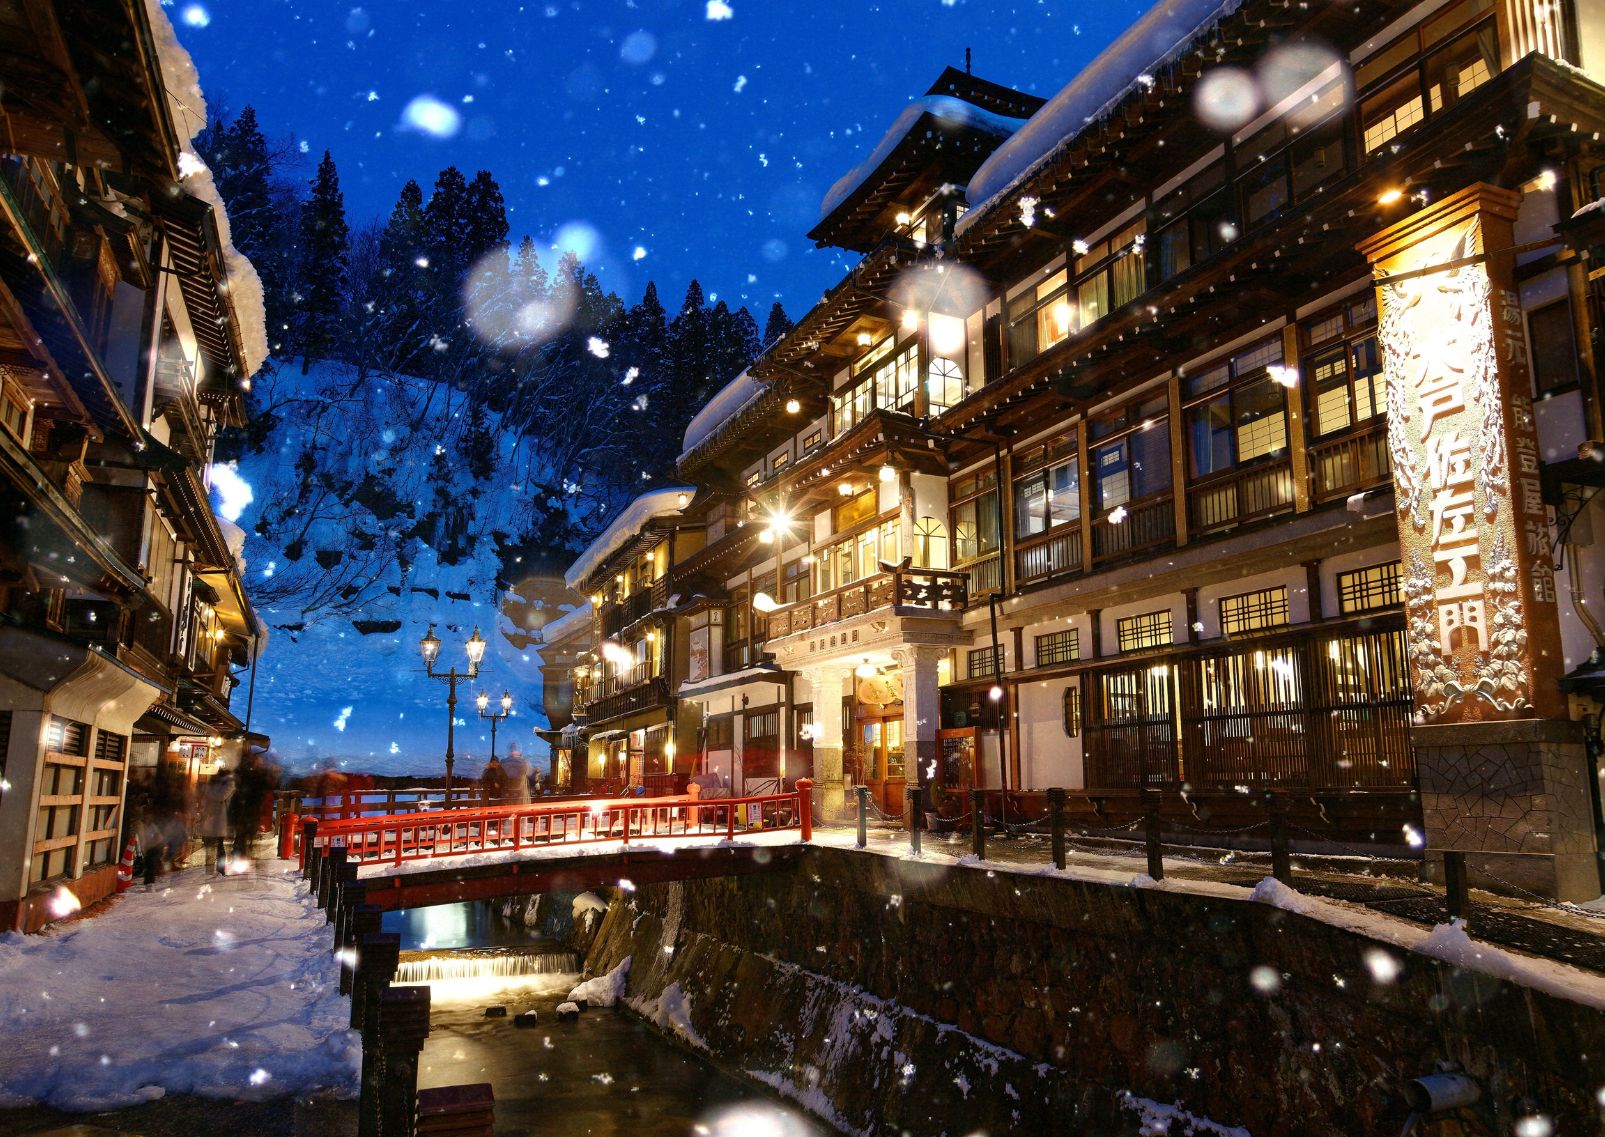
(219, 986)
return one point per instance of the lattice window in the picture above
(67, 736)
(1058, 647)
(984, 661)
(1072, 711)
(1369, 589)
(1144, 630)
(1254, 611)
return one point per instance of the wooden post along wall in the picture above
(1503, 775)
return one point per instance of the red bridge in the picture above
(578, 843)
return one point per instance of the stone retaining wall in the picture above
(892, 995)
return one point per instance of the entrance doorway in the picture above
(879, 743)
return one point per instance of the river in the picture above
(606, 1074)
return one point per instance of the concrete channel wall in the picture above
(893, 996)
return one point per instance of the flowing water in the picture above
(607, 1074)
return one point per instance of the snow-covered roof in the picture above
(731, 400)
(187, 107)
(648, 507)
(572, 623)
(944, 107)
(1156, 39)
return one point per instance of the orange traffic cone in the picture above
(125, 868)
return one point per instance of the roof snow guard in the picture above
(938, 138)
(642, 511)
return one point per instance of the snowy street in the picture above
(222, 987)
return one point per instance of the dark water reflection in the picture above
(475, 924)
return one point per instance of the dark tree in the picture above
(486, 220)
(325, 261)
(777, 325)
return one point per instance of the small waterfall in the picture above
(482, 963)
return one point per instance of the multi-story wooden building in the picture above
(1228, 423)
(123, 352)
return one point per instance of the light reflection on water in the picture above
(470, 924)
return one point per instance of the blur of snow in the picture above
(232, 491)
(224, 989)
(428, 115)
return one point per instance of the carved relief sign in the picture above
(1478, 582)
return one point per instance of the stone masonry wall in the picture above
(896, 996)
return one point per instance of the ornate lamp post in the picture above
(482, 701)
(429, 648)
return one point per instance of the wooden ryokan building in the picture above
(1227, 423)
(124, 626)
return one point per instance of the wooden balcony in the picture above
(1048, 555)
(1143, 525)
(984, 576)
(616, 617)
(1351, 463)
(931, 590)
(623, 694)
(1240, 496)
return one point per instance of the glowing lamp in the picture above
(903, 217)
(476, 648)
(507, 703)
(864, 339)
(947, 335)
(865, 670)
(682, 500)
(911, 320)
(888, 473)
(845, 489)
(429, 646)
(793, 406)
(995, 693)
(1389, 196)
(764, 603)
(482, 701)
(767, 536)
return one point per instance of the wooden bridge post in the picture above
(863, 815)
(377, 958)
(403, 1026)
(365, 920)
(1056, 804)
(805, 807)
(309, 837)
(347, 896)
(327, 863)
(344, 873)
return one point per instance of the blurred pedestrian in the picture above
(493, 782)
(213, 822)
(517, 771)
(245, 808)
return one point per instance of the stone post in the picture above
(345, 874)
(365, 920)
(826, 685)
(331, 858)
(403, 1026)
(922, 710)
(1503, 775)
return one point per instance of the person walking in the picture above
(245, 809)
(213, 824)
(493, 782)
(517, 771)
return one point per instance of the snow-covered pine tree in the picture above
(325, 261)
(777, 325)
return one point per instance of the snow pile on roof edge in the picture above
(731, 400)
(1160, 35)
(187, 105)
(648, 507)
(944, 107)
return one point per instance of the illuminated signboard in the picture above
(1478, 583)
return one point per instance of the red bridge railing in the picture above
(399, 838)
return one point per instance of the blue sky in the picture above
(678, 144)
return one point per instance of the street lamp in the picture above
(429, 648)
(482, 701)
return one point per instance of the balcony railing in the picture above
(637, 688)
(1354, 462)
(604, 686)
(1239, 497)
(1048, 555)
(616, 617)
(1142, 525)
(985, 577)
(932, 590)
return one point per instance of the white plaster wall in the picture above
(1291, 577)
(889, 495)
(1180, 632)
(1348, 562)
(1047, 757)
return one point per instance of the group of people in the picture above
(225, 813)
(508, 783)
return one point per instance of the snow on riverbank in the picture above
(222, 987)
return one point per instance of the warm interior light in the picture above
(651, 635)
(764, 603)
(947, 335)
(845, 489)
(808, 558)
(903, 217)
(767, 536)
(1389, 196)
(865, 670)
(793, 406)
(911, 320)
(1062, 317)
(864, 339)
(888, 473)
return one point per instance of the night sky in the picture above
(663, 140)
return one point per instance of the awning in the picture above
(164, 718)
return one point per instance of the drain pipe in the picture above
(1434, 1094)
